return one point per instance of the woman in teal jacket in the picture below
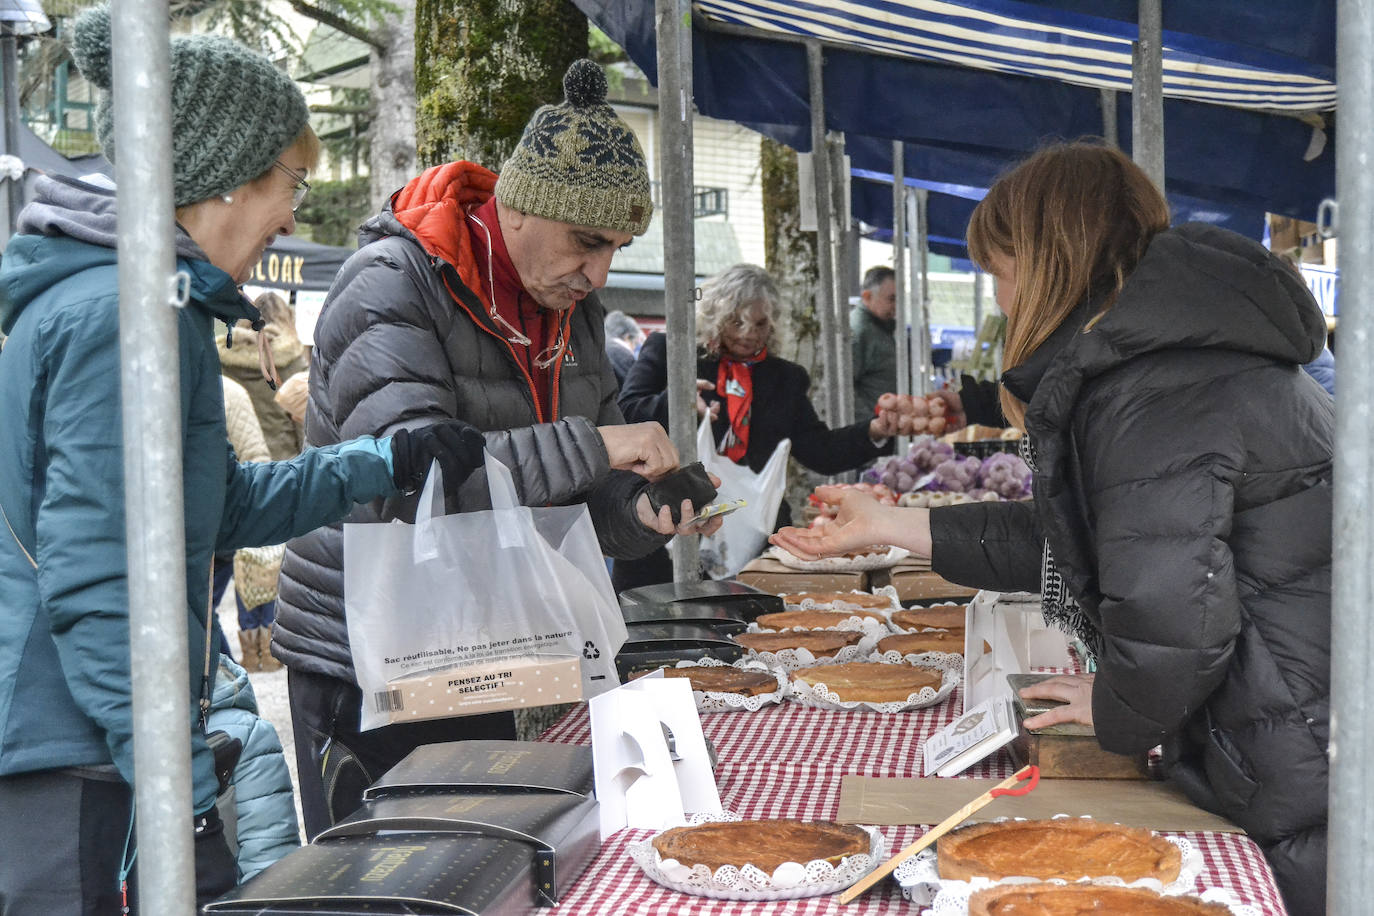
(66, 734)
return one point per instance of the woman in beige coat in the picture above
(254, 569)
(238, 358)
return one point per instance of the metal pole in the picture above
(902, 327)
(9, 50)
(151, 406)
(1350, 880)
(902, 330)
(1147, 93)
(825, 256)
(844, 254)
(923, 355)
(673, 33)
(977, 303)
(1108, 97)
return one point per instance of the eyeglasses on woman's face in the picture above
(301, 186)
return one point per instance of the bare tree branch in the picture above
(337, 22)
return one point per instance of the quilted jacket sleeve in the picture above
(995, 546)
(1171, 608)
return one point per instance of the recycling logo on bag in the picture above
(590, 651)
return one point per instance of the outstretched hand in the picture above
(457, 446)
(862, 522)
(1076, 690)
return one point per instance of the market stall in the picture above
(790, 760)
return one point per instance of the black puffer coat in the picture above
(1185, 492)
(394, 349)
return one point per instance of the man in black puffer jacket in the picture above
(471, 298)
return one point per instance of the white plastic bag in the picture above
(456, 591)
(744, 533)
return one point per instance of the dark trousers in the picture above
(335, 762)
(64, 842)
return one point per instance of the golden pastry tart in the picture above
(916, 618)
(725, 679)
(871, 682)
(813, 620)
(1083, 899)
(951, 641)
(820, 643)
(1067, 848)
(764, 844)
(859, 599)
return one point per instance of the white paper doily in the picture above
(897, 627)
(718, 701)
(788, 881)
(955, 902)
(945, 661)
(819, 696)
(855, 622)
(878, 560)
(887, 591)
(921, 883)
(796, 659)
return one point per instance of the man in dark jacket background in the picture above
(472, 297)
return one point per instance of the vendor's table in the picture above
(787, 761)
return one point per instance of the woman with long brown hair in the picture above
(1181, 520)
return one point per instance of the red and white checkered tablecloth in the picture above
(787, 761)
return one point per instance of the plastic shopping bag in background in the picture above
(744, 533)
(478, 611)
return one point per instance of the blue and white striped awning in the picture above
(1088, 51)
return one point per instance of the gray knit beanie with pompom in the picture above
(233, 111)
(578, 162)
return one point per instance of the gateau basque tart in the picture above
(1066, 848)
(951, 641)
(726, 679)
(871, 682)
(916, 618)
(859, 599)
(820, 643)
(813, 620)
(1082, 899)
(764, 844)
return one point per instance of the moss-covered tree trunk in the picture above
(392, 150)
(791, 258)
(481, 69)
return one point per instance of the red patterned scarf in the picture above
(735, 383)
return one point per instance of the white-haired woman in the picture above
(754, 399)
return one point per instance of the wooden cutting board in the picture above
(1135, 803)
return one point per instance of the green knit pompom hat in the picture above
(233, 111)
(578, 162)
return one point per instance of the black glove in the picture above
(457, 446)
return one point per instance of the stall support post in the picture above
(1350, 846)
(846, 262)
(977, 303)
(921, 198)
(9, 72)
(673, 33)
(825, 242)
(1108, 97)
(150, 382)
(1147, 93)
(902, 330)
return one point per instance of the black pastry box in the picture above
(487, 828)
(745, 600)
